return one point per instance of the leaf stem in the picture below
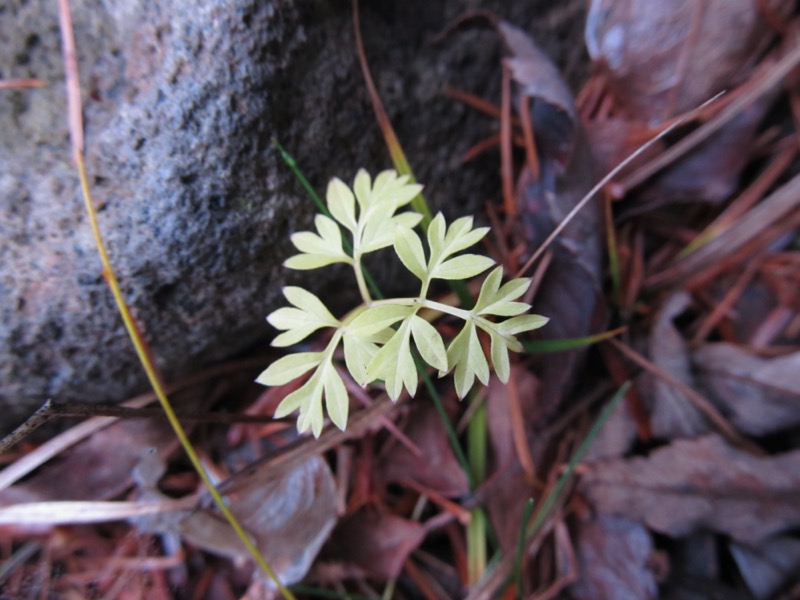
(155, 381)
(425, 303)
(362, 283)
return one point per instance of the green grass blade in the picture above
(562, 345)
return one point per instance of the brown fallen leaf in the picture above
(672, 415)
(768, 567)
(614, 556)
(666, 58)
(662, 61)
(288, 517)
(701, 484)
(617, 436)
(99, 467)
(379, 543)
(570, 293)
(759, 395)
(436, 467)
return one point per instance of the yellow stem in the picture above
(158, 388)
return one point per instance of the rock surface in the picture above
(181, 105)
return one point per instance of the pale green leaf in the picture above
(358, 352)
(292, 318)
(395, 365)
(337, 400)
(311, 243)
(341, 203)
(383, 180)
(460, 235)
(522, 323)
(308, 302)
(461, 267)
(308, 400)
(495, 330)
(378, 318)
(408, 247)
(466, 357)
(436, 231)
(429, 343)
(507, 309)
(362, 186)
(289, 367)
(378, 230)
(329, 231)
(445, 241)
(399, 191)
(305, 262)
(300, 322)
(489, 289)
(311, 416)
(394, 188)
(407, 219)
(294, 335)
(292, 402)
(500, 360)
(496, 300)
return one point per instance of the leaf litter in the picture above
(663, 504)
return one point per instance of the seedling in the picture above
(377, 335)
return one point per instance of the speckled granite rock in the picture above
(181, 102)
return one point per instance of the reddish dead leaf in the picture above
(711, 171)
(615, 139)
(99, 468)
(702, 484)
(510, 486)
(769, 567)
(288, 517)
(435, 468)
(379, 543)
(672, 415)
(614, 556)
(512, 411)
(507, 492)
(666, 58)
(663, 61)
(616, 437)
(760, 395)
(570, 292)
(552, 111)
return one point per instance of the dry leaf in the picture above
(760, 395)
(377, 542)
(672, 415)
(613, 556)
(665, 58)
(435, 468)
(770, 566)
(571, 290)
(701, 484)
(288, 516)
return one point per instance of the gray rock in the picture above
(181, 103)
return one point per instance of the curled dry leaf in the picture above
(288, 516)
(511, 421)
(702, 484)
(668, 57)
(553, 113)
(760, 395)
(614, 556)
(672, 415)
(379, 543)
(436, 467)
(571, 291)
(769, 567)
